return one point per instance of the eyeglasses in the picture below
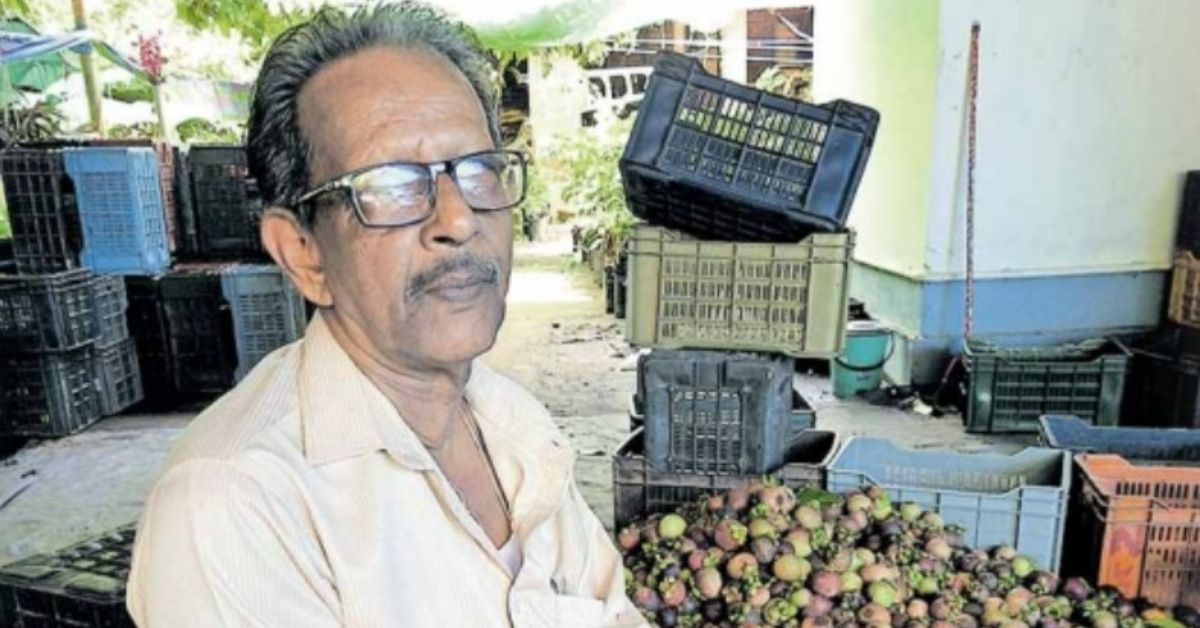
(401, 193)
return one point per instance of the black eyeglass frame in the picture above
(435, 168)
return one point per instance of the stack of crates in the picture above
(741, 267)
(1164, 378)
(65, 353)
(66, 356)
(203, 327)
(114, 215)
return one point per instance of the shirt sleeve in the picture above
(606, 572)
(214, 548)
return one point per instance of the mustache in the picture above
(479, 270)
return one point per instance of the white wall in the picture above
(883, 53)
(1088, 113)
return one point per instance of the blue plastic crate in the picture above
(120, 209)
(1142, 444)
(268, 312)
(1018, 500)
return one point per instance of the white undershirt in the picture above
(511, 553)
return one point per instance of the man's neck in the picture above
(426, 397)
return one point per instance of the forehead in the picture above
(385, 104)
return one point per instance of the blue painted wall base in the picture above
(1015, 311)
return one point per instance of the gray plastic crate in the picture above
(268, 312)
(118, 377)
(716, 412)
(640, 490)
(111, 303)
(1018, 500)
(803, 417)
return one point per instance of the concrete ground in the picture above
(557, 342)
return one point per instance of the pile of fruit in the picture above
(764, 555)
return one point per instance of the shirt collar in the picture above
(344, 415)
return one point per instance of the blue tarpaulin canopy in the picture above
(33, 61)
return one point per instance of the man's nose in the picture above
(453, 223)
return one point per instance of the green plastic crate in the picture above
(1010, 389)
(698, 294)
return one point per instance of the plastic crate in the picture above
(1184, 304)
(781, 298)
(185, 219)
(82, 586)
(801, 417)
(48, 394)
(620, 293)
(183, 328)
(1163, 385)
(1009, 389)
(1188, 236)
(226, 203)
(109, 308)
(640, 490)
(268, 311)
(118, 377)
(1018, 500)
(48, 312)
(41, 210)
(1142, 525)
(610, 286)
(164, 157)
(1132, 443)
(723, 160)
(120, 208)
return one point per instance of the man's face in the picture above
(420, 294)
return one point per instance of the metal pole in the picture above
(91, 85)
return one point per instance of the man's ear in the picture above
(294, 248)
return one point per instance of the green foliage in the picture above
(136, 89)
(253, 20)
(587, 162)
(791, 82)
(20, 123)
(137, 130)
(201, 131)
(14, 8)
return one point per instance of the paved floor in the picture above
(557, 342)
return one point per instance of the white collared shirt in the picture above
(302, 499)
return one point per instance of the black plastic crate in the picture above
(82, 586)
(109, 308)
(187, 245)
(1009, 389)
(48, 394)
(716, 412)
(48, 312)
(640, 490)
(46, 232)
(1162, 388)
(719, 159)
(1188, 235)
(118, 377)
(225, 203)
(183, 329)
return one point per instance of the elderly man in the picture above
(375, 473)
